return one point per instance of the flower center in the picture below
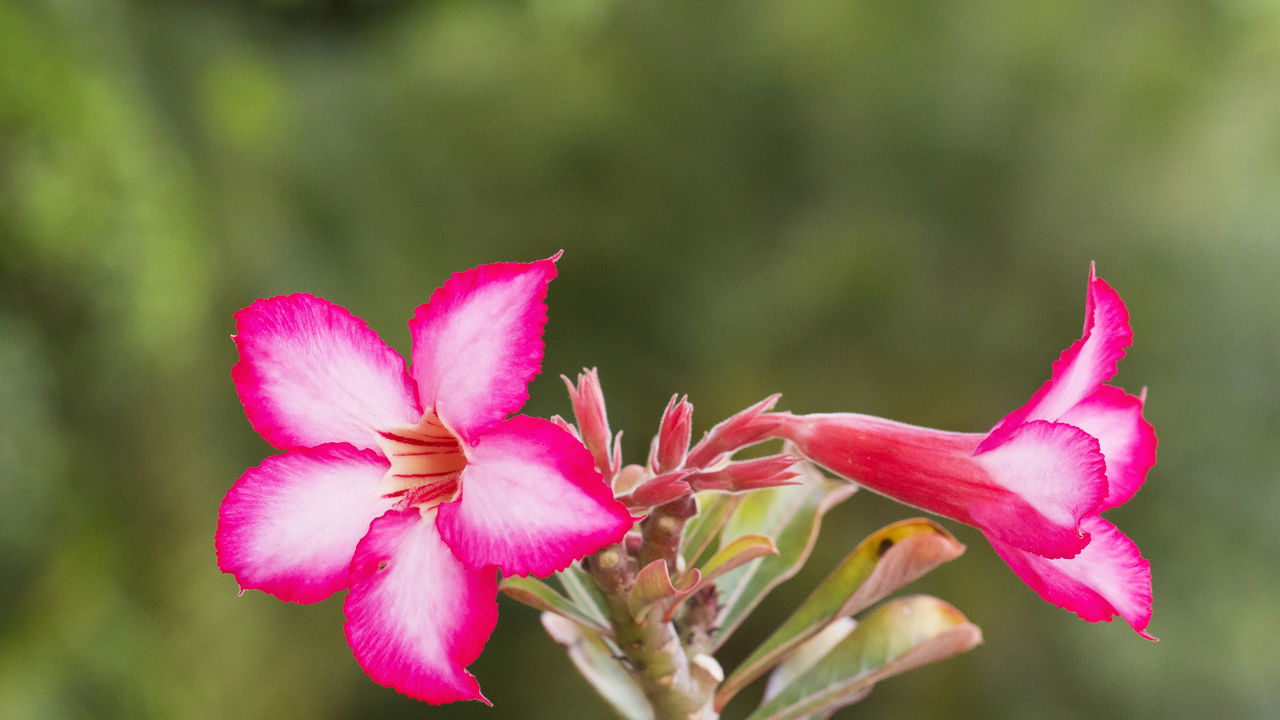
(426, 462)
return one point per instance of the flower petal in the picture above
(289, 526)
(1127, 440)
(1109, 577)
(416, 617)
(478, 342)
(532, 501)
(1083, 367)
(1059, 473)
(310, 373)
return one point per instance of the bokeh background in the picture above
(884, 207)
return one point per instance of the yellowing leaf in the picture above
(901, 635)
(881, 564)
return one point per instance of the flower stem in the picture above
(677, 675)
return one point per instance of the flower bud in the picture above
(675, 431)
(593, 423)
(764, 472)
(658, 491)
(746, 428)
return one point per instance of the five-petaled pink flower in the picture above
(1037, 483)
(409, 488)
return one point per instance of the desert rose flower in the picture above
(410, 489)
(1037, 483)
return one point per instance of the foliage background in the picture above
(887, 207)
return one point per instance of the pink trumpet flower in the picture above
(409, 488)
(1037, 483)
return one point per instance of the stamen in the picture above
(426, 462)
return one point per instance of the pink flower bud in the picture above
(746, 475)
(658, 491)
(593, 423)
(674, 433)
(747, 428)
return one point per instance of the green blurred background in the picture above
(884, 207)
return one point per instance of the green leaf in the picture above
(807, 655)
(702, 532)
(653, 585)
(578, 586)
(885, 561)
(597, 661)
(790, 515)
(901, 635)
(537, 594)
(736, 554)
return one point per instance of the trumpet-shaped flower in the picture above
(1037, 483)
(410, 489)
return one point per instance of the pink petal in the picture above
(532, 501)
(478, 342)
(1084, 366)
(310, 373)
(289, 526)
(416, 617)
(1109, 577)
(1059, 473)
(1127, 440)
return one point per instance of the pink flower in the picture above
(409, 488)
(1037, 483)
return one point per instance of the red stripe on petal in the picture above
(416, 617)
(532, 501)
(446, 441)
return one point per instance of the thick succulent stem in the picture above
(676, 673)
(662, 531)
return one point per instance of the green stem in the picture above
(677, 675)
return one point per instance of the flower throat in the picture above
(426, 461)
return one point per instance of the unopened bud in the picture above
(593, 422)
(658, 491)
(746, 428)
(674, 433)
(745, 475)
